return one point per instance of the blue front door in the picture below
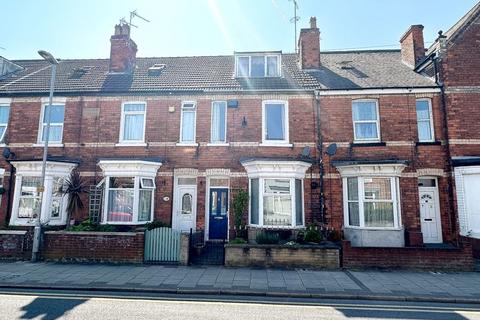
(218, 223)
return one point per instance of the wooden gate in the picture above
(162, 245)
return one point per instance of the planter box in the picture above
(15, 245)
(114, 247)
(282, 256)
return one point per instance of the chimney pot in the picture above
(313, 22)
(412, 45)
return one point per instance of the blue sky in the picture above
(81, 29)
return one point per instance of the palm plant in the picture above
(75, 186)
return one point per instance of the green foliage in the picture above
(75, 187)
(155, 224)
(237, 241)
(240, 202)
(300, 237)
(87, 225)
(334, 235)
(267, 238)
(313, 235)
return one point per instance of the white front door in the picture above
(185, 208)
(430, 215)
(472, 201)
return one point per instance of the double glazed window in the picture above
(56, 113)
(275, 122)
(129, 199)
(29, 205)
(371, 202)
(4, 114)
(219, 122)
(132, 128)
(276, 202)
(366, 126)
(424, 120)
(187, 130)
(258, 65)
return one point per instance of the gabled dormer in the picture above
(267, 64)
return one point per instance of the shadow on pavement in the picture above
(381, 313)
(49, 308)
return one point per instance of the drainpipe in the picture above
(320, 155)
(439, 81)
(9, 195)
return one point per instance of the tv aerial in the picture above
(294, 20)
(133, 14)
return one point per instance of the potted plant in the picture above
(75, 187)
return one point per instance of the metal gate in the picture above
(162, 245)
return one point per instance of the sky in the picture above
(82, 29)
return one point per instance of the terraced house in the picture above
(363, 142)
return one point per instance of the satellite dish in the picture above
(331, 149)
(306, 152)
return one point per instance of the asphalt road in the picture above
(26, 304)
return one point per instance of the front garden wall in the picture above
(115, 247)
(15, 244)
(297, 256)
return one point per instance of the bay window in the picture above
(129, 191)
(371, 202)
(276, 195)
(29, 202)
(132, 126)
(366, 123)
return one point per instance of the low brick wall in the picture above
(417, 258)
(116, 247)
(15, 245)
(301, 256)
(475, 247)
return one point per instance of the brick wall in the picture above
(118, 247)
(281, 256)
(15, 244)
(418, 258)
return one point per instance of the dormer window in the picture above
(258, 65)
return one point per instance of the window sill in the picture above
(428, 143)
(374, 228)
(276, 144)
(256, 226)
(213, 144)
(368, 144)
(54, 145)
(131, 144)
(125, 223)
(182, 144)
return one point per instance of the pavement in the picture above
(454, 287)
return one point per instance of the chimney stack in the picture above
(123, 50)
(412, 45)
(309, 46)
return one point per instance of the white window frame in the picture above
(285, 141)
(143, 186)
(194, 142)
(2, 137)
(122, 122)
(366, 140)
(463, 217)
(211, 124)
(42, 124)
(136, 201)
(137, 169)
(249, 56)
(33, 169)
(430, 120)
(394, 189)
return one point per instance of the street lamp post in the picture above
(38, 225)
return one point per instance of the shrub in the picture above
(237, 241)
(300, 237)
(313, 235)
(267, 238)
(334, 235)
(87, 225)
(155, 224)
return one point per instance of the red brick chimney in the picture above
(123, 50)
(412, 45)
(309, 46)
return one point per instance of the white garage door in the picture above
(472, 201)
